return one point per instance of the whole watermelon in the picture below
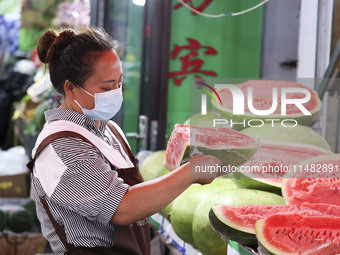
(3, 220)
(20, 220)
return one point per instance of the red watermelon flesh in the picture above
(322, 208)
(263, 96)
(227, 144)
(243, 218)
(314, 187)
(299, 234)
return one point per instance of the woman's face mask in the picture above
(106, 104)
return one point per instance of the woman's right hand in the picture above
(203, 168)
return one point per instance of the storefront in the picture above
(181, 58)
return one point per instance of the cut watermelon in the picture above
(206, 239)
(322, 208)
(299, 134)
(263, 99)
(230, 146)
(299, 234)
(237, 223)
(313, 181)
(264, 171)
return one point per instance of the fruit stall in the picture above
(256, 86)
(256, 212)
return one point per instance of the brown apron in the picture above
(129, 240)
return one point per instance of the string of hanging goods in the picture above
(226, 14)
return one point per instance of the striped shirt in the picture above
(79, 186)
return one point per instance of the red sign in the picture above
(191, 63)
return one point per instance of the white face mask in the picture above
(106, 104)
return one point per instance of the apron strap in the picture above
(51, 138)
(60, 232)
(122, 141)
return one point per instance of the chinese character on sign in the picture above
(191, 64)
(199, 8)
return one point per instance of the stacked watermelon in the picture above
(304, 221)
(20, 218)
(309, 223)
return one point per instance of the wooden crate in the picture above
(22, 244)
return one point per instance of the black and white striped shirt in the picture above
(80, 188)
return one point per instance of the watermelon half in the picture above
(260, 171)
(315, 180)
(299, 234)
(299, 134)
(206, 239)
(237, 223)
(262, 100)
(230, 146)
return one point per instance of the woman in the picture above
(90, 196)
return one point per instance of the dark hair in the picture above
(69, 55)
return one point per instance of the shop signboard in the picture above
(203, 47)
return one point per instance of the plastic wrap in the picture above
(297, 234)
(314, 180)
(13, 161)
(298, 229)
(230, 146)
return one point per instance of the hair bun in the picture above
(44, 44)
(50, 44)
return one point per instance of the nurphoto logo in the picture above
(241, 100)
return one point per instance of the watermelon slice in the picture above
(237, 223)
(315, 180)
(230, 146)
(299, 234)
(262, 100)
(264, 171)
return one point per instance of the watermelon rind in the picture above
(270, 249)
(183, 207)
(230, 231)
(199, 120)
(206, 239)
(318, 159)
(151, 164)
(295, 135)
(247, 181)
(300, 118)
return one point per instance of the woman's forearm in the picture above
(147, 198)
(144, 199)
